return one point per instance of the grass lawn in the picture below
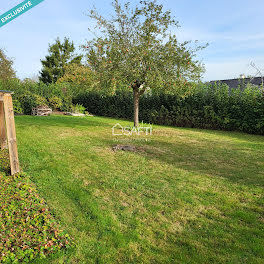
(186, 195)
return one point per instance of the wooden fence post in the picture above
(3, 140)
(11, 133)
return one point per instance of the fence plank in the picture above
(3, 140)
(11, 133)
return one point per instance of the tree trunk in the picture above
(136, 107)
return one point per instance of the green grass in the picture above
(187, 195)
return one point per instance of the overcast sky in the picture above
(233, 29)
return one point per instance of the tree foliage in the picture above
(136, 48)
(61, 54)
(6, 69)
(79, 74)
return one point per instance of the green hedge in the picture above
(29, 94)
(202, 106)
(207, 106)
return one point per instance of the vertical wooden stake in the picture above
(3, 140)
(11, 133)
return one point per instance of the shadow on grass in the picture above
(235, 162)
(232, 135)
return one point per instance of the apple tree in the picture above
(137, 49)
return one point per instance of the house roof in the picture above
(235, 83)
(3, 91)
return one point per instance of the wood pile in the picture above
(41, 110)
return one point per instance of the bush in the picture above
(17, 107)
(30, 100)
(206, 106)
(202, 106)
(119, 105)
(78, 109)
(55, 102)
(66, 104)
(30, 94)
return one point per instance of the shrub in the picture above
(55, 102)
(30, 100)
(78, 109)
(17, 107)
(206, 106)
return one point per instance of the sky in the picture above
(233, 29)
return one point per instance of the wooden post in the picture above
(11, 133)
(3, 141)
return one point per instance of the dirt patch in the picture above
(58, 113)
(126, 148)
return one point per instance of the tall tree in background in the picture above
(61, 54)
(136, 47)
(6, 70)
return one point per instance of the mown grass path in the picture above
(187, 196)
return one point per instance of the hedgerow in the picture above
(198, 105)
(27, 227)
(29, 94)
(206, 106)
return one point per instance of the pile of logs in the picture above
(42, 110)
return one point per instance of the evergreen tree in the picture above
(60, 56)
